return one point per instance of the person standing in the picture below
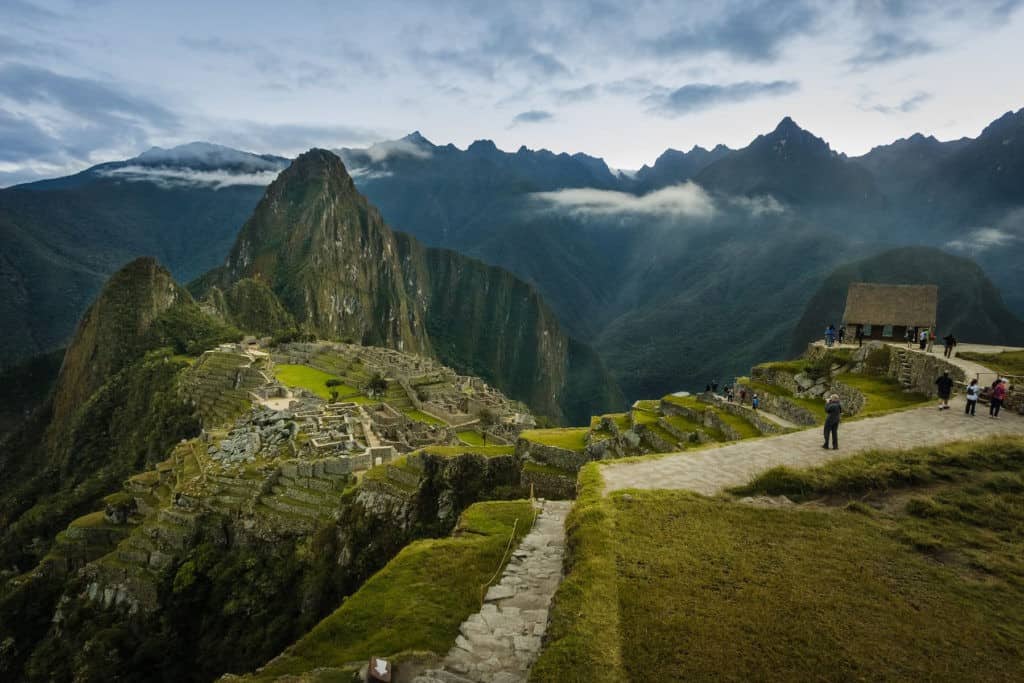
(830, 335)
(972, 397)
(998, 396)
(945, 387)
(833, 411)
(842, 334)
(922, 339)
(911, 335)
(859, 336)
(931, 339)
(755, 402)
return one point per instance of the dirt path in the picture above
(709, 471)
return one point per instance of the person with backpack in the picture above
(755, 402)
(998, 396)
(833, 412)
(945, 387)
(972, 397)
(830, 335)
(923, 339)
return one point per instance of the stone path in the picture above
(499, 643)
(710, 470)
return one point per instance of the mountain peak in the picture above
(483, 147)
(315, 162)
(417, 138)
(206, 155)
(787, 125)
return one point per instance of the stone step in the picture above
(327, 483)
(292, 506)
(313, 497)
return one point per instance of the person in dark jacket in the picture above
(833, 411)
(944, 385)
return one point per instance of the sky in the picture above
(88, 81)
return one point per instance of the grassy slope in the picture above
(305, 377)
(745, 429)
(883, 394)
(471, 438)
(573, 439)
(925, 587)
(1005, 363)
(420, 416)
(419, 599)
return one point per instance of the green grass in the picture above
(471, 438)
(418, 600)
(305, 377)
(91, 520)
(454, 451)
(667, 585)
(420, 416)
(882, 394)
(621, 420)
(1005, 363)
(745, 429)
(573, 438)
(542, 468)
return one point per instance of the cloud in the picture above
(185, 177)
(583, 93)
(699, 96)
(754, 32)
(531, 116)
(397, 148)
(289, 138)
(760, 205)
(982, 239)
(687, 200)
(886, 47)
(906, 106)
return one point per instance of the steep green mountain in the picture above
(114, 409)
(970, 306)
(326, 254)
(62, 238)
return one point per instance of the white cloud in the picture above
(761, 205)
(183, 177)
(367, 173)
(981, 239)
(686, 200)
(395, 148)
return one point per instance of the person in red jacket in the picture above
(998, 396)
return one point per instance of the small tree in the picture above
(488, 418)
(376, 386)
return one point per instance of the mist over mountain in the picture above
(698, 264)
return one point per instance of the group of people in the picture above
(944, 386)
(832, 336)
(731, 394)
(997, 395)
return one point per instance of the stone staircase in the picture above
(903, 359)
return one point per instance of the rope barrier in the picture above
(504, 555)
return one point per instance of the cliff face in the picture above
(328, 256)
(128, 305)
(338, 269)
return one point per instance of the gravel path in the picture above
(499, 643)
(710, 470)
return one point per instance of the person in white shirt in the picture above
(972, 397)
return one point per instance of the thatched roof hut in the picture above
(869, 303)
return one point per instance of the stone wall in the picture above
(784, 408)
(705, 417)
(561, 458)
(924, 369)
(749, 414)
(548, 484)
(774, 377)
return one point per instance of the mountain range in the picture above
(689, 269)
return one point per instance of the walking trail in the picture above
(499, 643)
(709, 471)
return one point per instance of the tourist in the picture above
(931, 339)
(911, 335)
(972, 397)
(755, 401)
(859, 336)
(922, 339)
(949, 341)
(945, 386)
(998, 396)
(743, 395)
(833, 410)
(842, 333)
(830, 335)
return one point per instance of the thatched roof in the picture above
(869, 303)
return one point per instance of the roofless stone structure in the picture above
(886, 311)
